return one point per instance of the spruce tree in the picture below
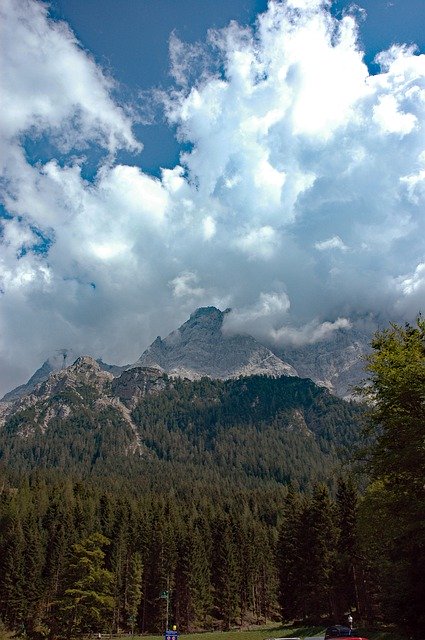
(134, 590)
(289, 556)
(14, 603)
(87, 604)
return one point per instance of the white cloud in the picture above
(48, 83)
(258, 243)
(331, 243)
(299, 202)
(184, 285)
(310, 333)
(410, 284)
(269, 319)
(389, 117)
(209, 227)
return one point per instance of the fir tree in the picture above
(87, 603)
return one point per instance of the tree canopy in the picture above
(395, 501)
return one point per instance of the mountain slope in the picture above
(255, 429)
(336, 363)
(57, 362)
(199, 348)
(70, 419)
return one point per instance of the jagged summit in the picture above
(208, 312)
(57, 361)
(199, 348)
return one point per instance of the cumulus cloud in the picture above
(184, 285)
(298, 202)
(50, 84)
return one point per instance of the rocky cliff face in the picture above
(199, 348)
(83, 394)
(136, 383)
(57, 362)
(336, 363)
(53, 397)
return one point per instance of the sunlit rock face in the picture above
(199, 348)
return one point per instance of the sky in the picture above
(161, 155)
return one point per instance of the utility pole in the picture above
(166, 596)
(168, 604)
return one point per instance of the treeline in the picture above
(75, 558)
(213, 536)
(250, 430)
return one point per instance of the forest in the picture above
(96, 552)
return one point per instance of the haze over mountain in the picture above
(203, 347)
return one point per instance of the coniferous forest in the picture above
(226, 537)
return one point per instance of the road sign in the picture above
(171, 635)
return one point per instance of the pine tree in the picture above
(13, 599)
(348, 567)
(34, 561)
(87, 603)
(134, 589)
(227, 571)
(319, 536)
(289, 558)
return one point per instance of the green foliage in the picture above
(206, 511)
(87, 604)
(396, 500)
(235, 433)
(134, 589)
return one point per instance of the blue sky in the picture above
(161, 155)
(131, 39)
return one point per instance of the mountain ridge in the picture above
(199, 348)
(144, 422)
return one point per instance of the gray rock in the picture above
(336, 363)
(199, 348)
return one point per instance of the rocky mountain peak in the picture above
(85, 371)
(199, 348)
(210, 315)
(58, 360)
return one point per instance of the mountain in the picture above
(336, 363)
(58, 361)
(144, 423)
(71, 420)
(199, 348)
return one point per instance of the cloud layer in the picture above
(300, 202)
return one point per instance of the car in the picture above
(339, 631)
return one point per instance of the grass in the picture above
(263, 633)
(260, 633)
